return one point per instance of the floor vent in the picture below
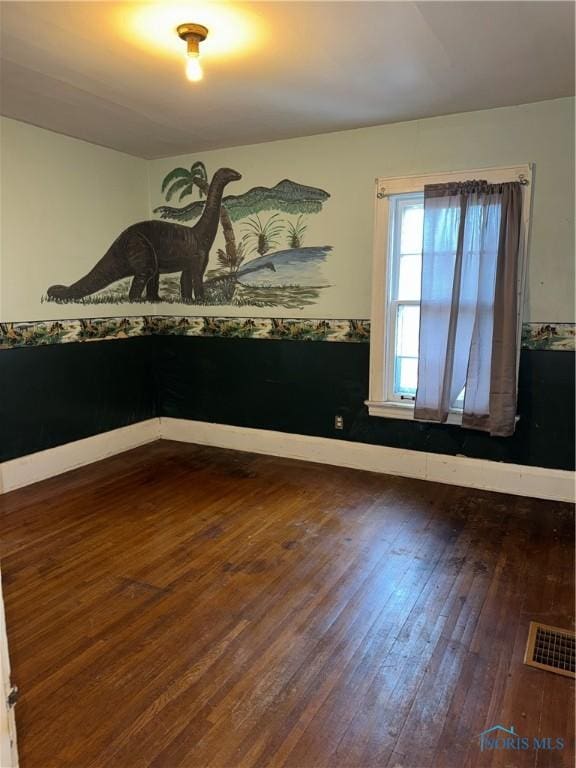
(551, 648)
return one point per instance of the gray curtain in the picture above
(468, 311)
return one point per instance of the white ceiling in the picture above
(86, 69)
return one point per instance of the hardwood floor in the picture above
(184, 606)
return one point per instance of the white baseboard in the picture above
(44, 464)
(516, 479)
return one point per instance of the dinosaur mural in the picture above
(148, 249)
(263, 261)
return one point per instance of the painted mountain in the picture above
(286, 196)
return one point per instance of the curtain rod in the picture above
(382, 193)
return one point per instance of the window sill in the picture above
(404, 411)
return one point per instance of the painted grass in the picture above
(219, 290)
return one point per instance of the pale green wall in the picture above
(346, 163)
(63, 202)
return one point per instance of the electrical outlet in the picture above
(339, 422)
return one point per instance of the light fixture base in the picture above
(198, 31)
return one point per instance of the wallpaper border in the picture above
(535, 336)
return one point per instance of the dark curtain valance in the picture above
(473, 186)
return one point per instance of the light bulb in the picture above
(193, 69)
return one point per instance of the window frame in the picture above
(381, 349)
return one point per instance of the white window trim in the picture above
(377, 403)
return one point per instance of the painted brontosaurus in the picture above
(148, 249)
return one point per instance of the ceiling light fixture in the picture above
(193, 34)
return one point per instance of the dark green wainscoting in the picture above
(299, 387)
(53, 394)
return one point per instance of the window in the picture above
(403, 315)
(397, 267)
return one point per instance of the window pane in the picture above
(409, 276)
(406, 375)
(407, 330)
(412, 224)
(406, 349)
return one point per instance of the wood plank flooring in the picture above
(185, 606)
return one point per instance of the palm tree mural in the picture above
(263, 236)
(296, 232)
(185, 181)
